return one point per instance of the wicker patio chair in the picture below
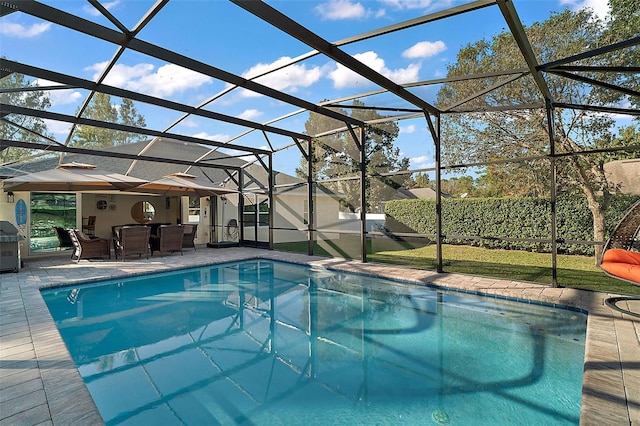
(621, 255)
(168, 239)
(131, 240)
(88, 248)
(190, 232)
(625, 235)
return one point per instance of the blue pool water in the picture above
(268, 343)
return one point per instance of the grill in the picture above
(9, 250)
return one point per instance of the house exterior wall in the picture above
(117, 212)
(288, 217)
(7, 213)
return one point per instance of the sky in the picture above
(221, 34)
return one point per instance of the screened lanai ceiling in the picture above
(241, 77)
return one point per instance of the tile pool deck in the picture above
(40, 385)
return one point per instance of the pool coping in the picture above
(39, 382)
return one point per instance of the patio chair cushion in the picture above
(83, 235)
(622, 263)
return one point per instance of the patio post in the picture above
(553, 192)
(241, 206)
(438, 161)
(435, 134)
(363, 197)
(270, 191)
(310, 222)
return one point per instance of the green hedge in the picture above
(493, 219)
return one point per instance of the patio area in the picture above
(39, 383)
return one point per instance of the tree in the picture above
(523, 179)
(422, 181)
(623, 23)
(463, 186)
(336, 156)
(487, 136)
(23, 128)
(129, 115)
(102, 109)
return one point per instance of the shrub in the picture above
(505, 223)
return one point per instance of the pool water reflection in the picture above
(263, 342)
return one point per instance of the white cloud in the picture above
(64, 97)
(95, 12)
(216, 138)
(11, 29)
(291, 78)
(167, 80)
(411, 128)
(599, 7)
(623, 117)
(189, 122)
(57, 127)
(344, 77)
(250, 114)
(334, 10)
(620, 119)
(59, 97)
(425, 49)
(416, 4)
(380, 13)
(421, 162)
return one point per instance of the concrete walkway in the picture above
(39, 383)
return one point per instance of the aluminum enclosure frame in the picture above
(126, 39)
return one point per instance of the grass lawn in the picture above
(573, 271)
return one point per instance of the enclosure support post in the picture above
(241, 206)
(435, 134)
(553, 192)
(438, 161)
(363, 198)
(271, 206)
(213, 219)
(256, 205)
(310, 213)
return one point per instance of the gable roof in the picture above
(419, 193)
(147, 170)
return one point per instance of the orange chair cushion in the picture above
(622, 263)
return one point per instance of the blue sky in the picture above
(222, 34)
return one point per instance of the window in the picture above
(48, 211)
(249, 214)
(194, 209)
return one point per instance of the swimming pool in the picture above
(262, 342)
